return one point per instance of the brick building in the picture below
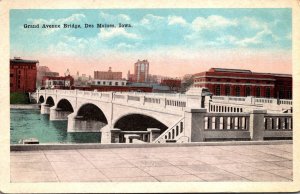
(23, 75)
(107, 75)
(238, 82)
(173, 84)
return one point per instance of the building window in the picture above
(104, 83)
(237, 91)
(110, 83)
(218, 90)
(257, 92)
(116, 83)
(268, 92)
(248, 91)
(227, 90)
(289, 94)
(99, 82)
(281, 92)
(123, 83)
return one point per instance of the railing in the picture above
(177, 103)
(226, 121)
(226, 126)
(225, 108)
(286, 102)
(264, 100)
(134, 98)
(237, 99)
(278, 126)
(278, 122)
(172, 133)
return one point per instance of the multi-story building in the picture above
(238, 82)
(107, 75)
(43, 71)
(57, 82)
(141, 71)
(23, 74)
(98, 82)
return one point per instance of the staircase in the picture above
(174, 134)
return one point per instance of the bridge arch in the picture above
(138, 122)
(92, 112)
(65, 105)
(41, 99)
(50, 101)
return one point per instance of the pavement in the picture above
(226, 163)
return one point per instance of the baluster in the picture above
(282, 127)
(173, 133)
(269, 123)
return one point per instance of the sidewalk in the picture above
(184, 164)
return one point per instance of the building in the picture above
(23, 75)
(107, 75)
(115, 88)
(173, 84)
(98, 82)
(239, 82)
(65, 82)
(141, 71)
(43, 71)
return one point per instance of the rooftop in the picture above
(230, 70)
(19, 60)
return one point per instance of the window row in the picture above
(237, 91)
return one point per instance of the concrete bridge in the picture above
(159, 118)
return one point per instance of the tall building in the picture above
(107, 75)
(239, 82)
(23, 75)
(141, 71)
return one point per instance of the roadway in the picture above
(155, 164)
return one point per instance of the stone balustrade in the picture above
(174, 132)
(177, 101)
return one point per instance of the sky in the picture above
(174, 41)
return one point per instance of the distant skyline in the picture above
(174, 41)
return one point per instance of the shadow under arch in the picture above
(91, 112)
(41, 99)
(139, 122)
(50, 101)
(65, 105)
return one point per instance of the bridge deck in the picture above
(195, 163)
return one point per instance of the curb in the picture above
(28, 147)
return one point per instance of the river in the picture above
(26, 124)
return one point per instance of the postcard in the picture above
(110, 97)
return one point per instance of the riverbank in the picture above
(25, 106)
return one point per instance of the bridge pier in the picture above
(58, 114)
(110, 135)
(154, 133)
(45, 109)
(77, 124)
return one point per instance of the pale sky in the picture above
(174, 41)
